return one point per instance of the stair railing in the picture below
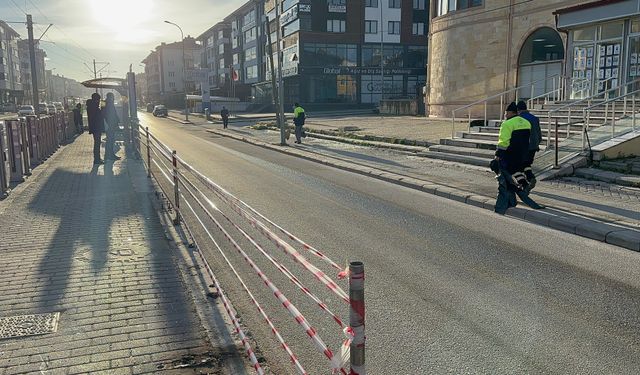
(568, 107)
(586, 113)
(557, 82)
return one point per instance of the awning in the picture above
(595, 12)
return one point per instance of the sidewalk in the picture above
(87, 245)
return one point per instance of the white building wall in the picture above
(388, 14)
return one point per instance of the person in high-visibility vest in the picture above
(298, 120)
(510, 158)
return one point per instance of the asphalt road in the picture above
(450, 288)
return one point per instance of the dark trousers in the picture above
(225, 122)
(109, 145)
(299, 133)
(96, 147)
(507, 195)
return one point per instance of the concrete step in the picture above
(607, 176)
(575, 130)
(465, 159)
(466, 151)
(469, 143)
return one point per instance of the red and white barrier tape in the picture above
(288, 249)
(274, 331)
(282, 268)
(286, 303)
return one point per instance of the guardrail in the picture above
(27, 142)
(587, 111)
(556, 80)
(191, 195)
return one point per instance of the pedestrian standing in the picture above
(112, 122)
(511, 154)
(298, 120)
(94, 117)
(224, 113)
(77, 118)
(534, 142)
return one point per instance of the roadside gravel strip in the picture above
(555, 218)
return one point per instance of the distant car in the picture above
(51, 109)
(42, 109)
(149, 107)
(160, 111)
(26, 110)
(59, 106)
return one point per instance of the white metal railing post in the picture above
(633, 113)
(148, 153)
(357, 318)
(569, 116)
(533, 89)
(501, 106)
(555, 146)
(613, 118)
(485, 113)
(453, 124)
(548, 129)
(469, 119)
(585, 126)
(176, 189)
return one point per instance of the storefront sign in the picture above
(338, 8)
(356, 70)
(304, 8)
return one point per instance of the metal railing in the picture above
(557, 83)
(569, 107)
(190, 194)
(586, 112)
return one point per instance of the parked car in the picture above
(26, 110)
(160, 111)
(51, 109)
(149, 107)
(42, 109)
(59, 106)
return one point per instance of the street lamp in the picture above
(184, 71)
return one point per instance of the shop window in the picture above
(611, 30)
(542, 45)
(582, 35)
(416, 57)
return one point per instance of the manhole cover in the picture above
(28, 325)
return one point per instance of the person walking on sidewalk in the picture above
(112, 121)
(77, 118)
(534, 142)
(511, 155)
(298, 120)
(94, 117)
(224, 113)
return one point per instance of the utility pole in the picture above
(32, 60)
(274, 86)
(283, 141)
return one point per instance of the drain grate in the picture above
(28, 325)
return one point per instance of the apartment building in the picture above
(164, 71)
(339, 53)
(10, 81)
(25, 71)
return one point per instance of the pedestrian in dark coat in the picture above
(224, 113)
(534, 141)
(94, 117)
(112, 121)
(77, 118)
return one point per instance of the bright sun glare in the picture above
(123, 17)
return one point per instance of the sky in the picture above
(118, 32)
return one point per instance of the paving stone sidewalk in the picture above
(86, 242)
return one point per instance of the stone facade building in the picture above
(482, 47)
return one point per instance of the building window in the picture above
(2, 78)
(370, 27)
(236, 59)
(252, 72)
(337, 2)
(220, 34)
(221, 64)
(172, 85)
(418, 28)
(250, 35)
(249, 18)
(172, 74)
(394, 3)
(337, 26)
(394, 27)
(371, 3)
(418, 4)
(320, 54)
(221, 49)
(250, 54)
(464, 4)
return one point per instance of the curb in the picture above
(179, 121)
(550, 217)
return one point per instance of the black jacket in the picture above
(94, 117)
